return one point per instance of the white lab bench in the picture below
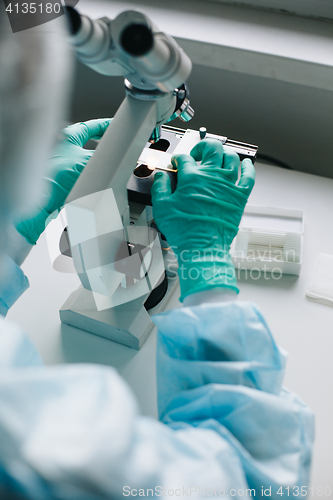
(303, 328)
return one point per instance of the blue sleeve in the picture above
(74, 432)
(70, 429)
(13, 283)
(219, 368)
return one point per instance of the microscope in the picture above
(127, 269)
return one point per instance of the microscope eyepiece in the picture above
(131, 46)
(137, 40)
(73, 20)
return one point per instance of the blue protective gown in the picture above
(228, 428)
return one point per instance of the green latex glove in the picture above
(65, 166)
(201, 218)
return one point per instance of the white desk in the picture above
(303, 328)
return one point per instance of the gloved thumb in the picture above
(248, 175)
(80, 133)
(161, 188)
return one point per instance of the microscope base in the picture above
(128, 324)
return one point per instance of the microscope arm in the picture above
(115, 157)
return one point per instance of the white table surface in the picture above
(302, 327)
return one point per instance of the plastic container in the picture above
(269, 239)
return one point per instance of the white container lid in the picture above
(288, 220)
(269, 238)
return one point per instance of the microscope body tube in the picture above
(115, 157)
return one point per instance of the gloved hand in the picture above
(201, 218)
(66, 164)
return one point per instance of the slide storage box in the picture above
(269, 239)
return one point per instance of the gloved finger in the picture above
(80, 133)
(209, 152)
(248, 175)
(230, 164)
(161, 187)
(84, 160)
(182, 162)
